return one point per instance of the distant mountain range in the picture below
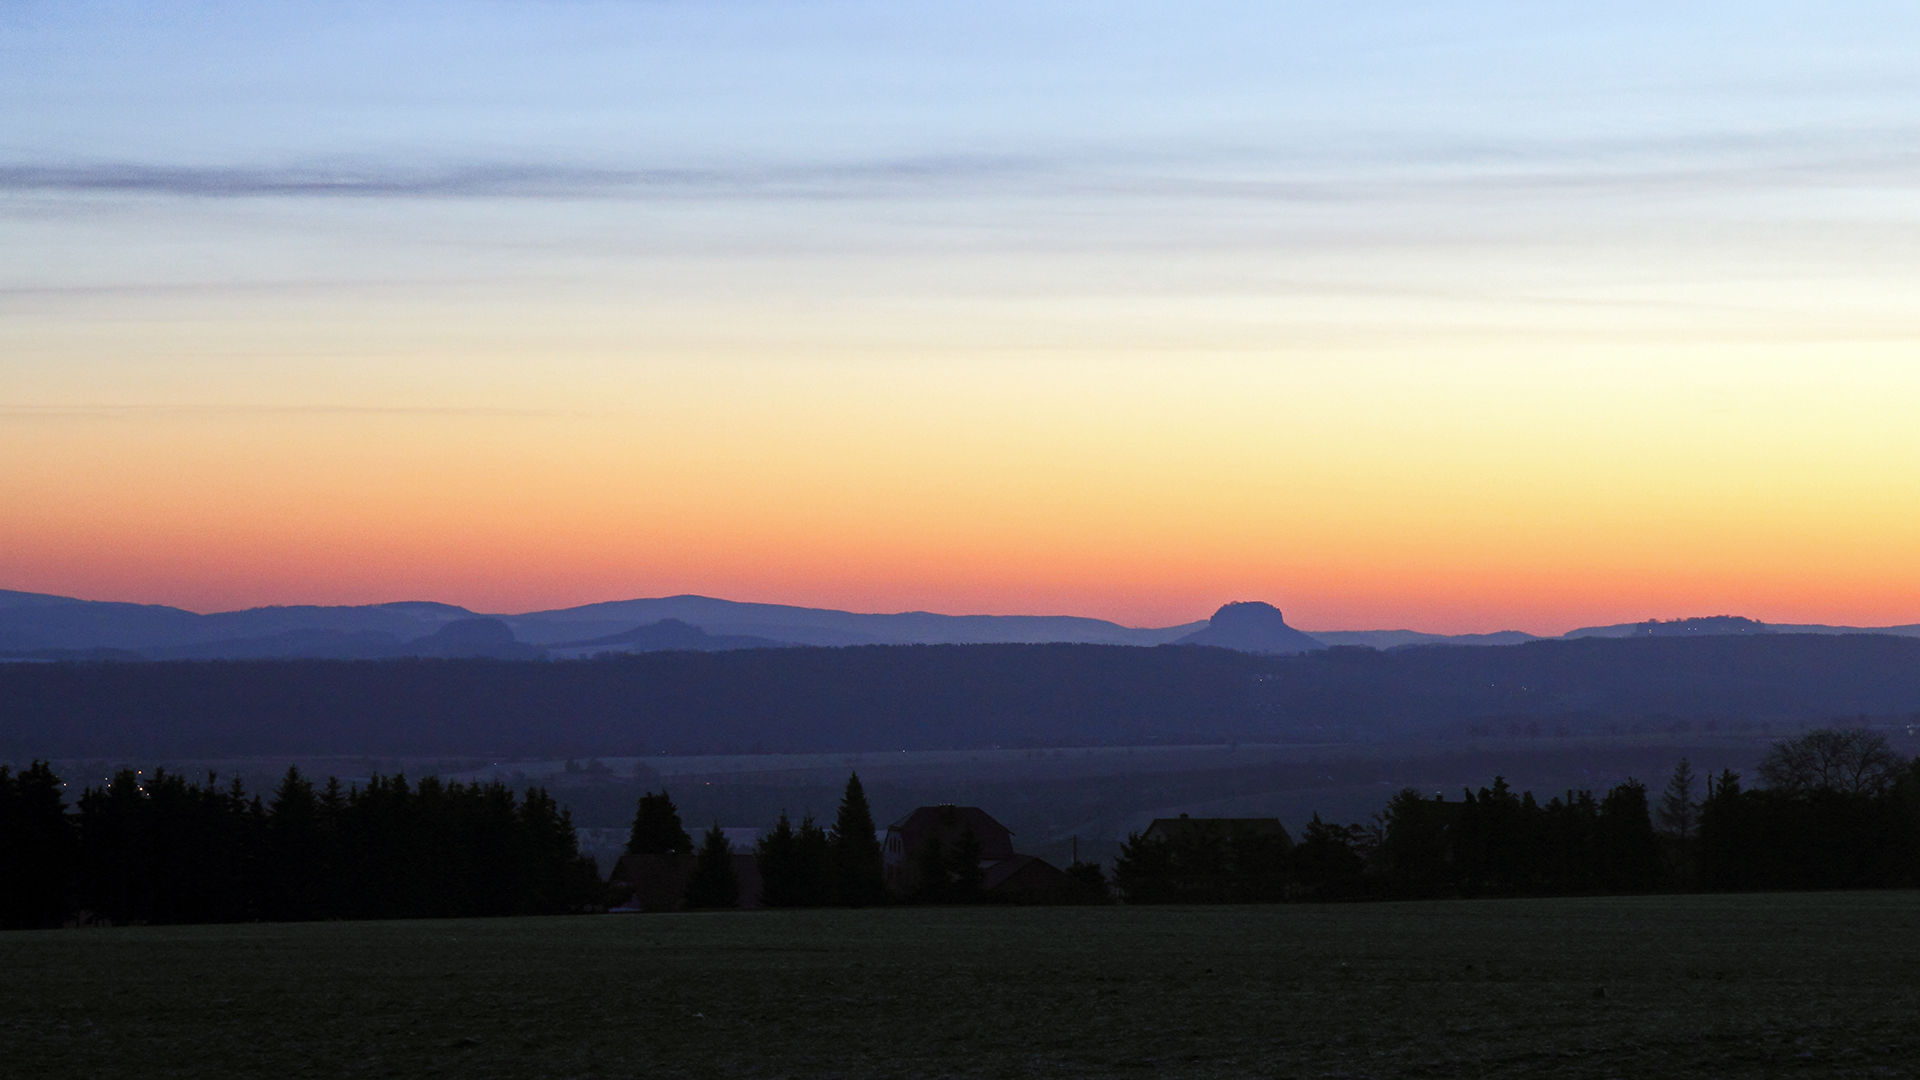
(36, 626)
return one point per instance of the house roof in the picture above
(949, 816)
(1244, 826)
(1030, 870)
(949, 822)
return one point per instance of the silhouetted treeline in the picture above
(1840, 811)
(1493, 843)
(939, 697)
(162, 849)
(806, 866)
(815, 867)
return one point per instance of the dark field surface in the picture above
(1796, 985)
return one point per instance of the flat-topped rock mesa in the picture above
(1252, 626)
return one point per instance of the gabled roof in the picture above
(1241, 826)
(949, 822)
(949, 816)
(1031, 869)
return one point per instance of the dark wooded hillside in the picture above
(871, 698)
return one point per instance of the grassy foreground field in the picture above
(1803, 985)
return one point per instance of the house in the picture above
(1006, 875)
(1029, 879)
(1185, 827)
(906, 837)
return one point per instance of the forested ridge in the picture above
(938, 697)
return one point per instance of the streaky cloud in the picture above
(483, 180)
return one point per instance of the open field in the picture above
(1807, 985)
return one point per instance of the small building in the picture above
(948, 823)
(1006, 875)
(1030, 879)
(1185, 827)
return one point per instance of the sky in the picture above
(1458, 316)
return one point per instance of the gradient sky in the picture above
(1457, 316)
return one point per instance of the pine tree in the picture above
(813, 853)
(1678, 809)
(777, 857)
(1090, 881)
(38, 848)
(1629, 854)
(657, 829)
(1147, 870)
(294, 866)
(713, 884)
(859, 874)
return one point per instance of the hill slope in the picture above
(935, 697)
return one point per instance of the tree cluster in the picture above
(163, 849)
(1839, 809)
(1497, 843)
(1207, 863)
(804, 866)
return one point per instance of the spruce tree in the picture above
(1678, 809)
(39, 848)
(713, 884)
(293, 850)
(1629, 853)
(813, 854)
(777, 857)
(859, 875)
(657, 829)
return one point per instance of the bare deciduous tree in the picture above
(1853, 760)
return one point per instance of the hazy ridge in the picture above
(40, 626)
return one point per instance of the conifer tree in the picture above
(295, 865)
(1090, 879)
(1144, 871)
(1629, 854)
(657, 829)
(713, 884)
(777, 857)
(38, 848)
(859, 875)
(1678, 810)
(813, 853)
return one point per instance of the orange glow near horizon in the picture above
(1452, 494)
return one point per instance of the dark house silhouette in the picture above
(906, 837)
(1007, 875)
(1183, 827)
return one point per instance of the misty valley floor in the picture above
(1803, 985)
